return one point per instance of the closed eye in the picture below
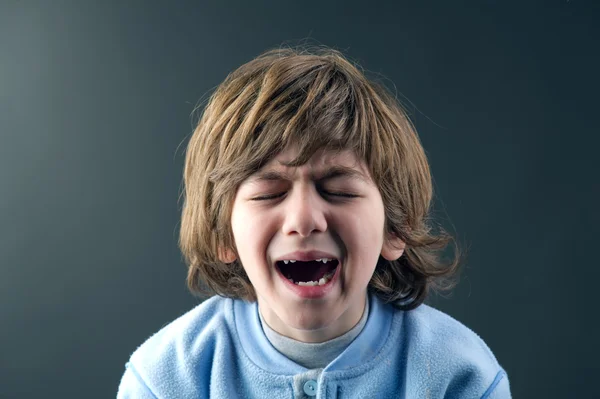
(268, 197)
(339, 194)
(324, 192)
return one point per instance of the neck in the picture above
(308, 327)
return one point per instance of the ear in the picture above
(226, 255)
(393, 247)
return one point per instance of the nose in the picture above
(304, 214)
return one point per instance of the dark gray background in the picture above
(95, 112)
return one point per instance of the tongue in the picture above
(307, 271)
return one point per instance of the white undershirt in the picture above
(314, 355)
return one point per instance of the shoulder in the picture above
(460, 360)
(170, 355)
(204, 320)
(435, 330)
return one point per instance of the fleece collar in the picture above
(260, 351)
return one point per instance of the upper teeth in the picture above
(324, 260)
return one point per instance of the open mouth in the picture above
(308, 273)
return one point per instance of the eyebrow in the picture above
(332, 172)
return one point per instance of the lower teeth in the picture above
(324, 280)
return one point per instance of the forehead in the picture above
(320, 162)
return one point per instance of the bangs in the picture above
(318, 107)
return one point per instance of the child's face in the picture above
(328, 208)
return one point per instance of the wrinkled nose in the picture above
(304, 213)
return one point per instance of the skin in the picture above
(283, 209)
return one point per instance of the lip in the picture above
(305, 256)
(316, 291)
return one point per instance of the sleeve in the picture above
(132, 386)
(499, 389)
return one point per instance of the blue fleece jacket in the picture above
(219, 350)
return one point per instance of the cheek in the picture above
(366, 224)
(251, 230)
(240, 229)
(362, 234)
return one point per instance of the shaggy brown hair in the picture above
(316, 100)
